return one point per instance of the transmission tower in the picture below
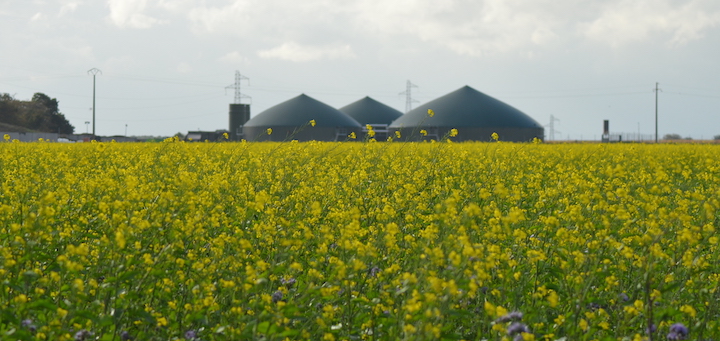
(551, 126)
(238, 95)
(408, 96)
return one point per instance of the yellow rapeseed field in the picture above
(359, 241)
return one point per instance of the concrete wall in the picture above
(54, 137)
(470, 134)
(307, 133)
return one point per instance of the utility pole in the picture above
(94, 72)
(656, 111)
(408, 95)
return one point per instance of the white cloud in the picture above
(68, 7)
(294, 52)
(130, 13)
(37, 17)
(624, 22)
(233, 58)
(466, 27)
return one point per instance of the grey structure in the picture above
(239, 115)
(290, 120)
(370, 111)
(474, 114)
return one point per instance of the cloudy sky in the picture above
(166, 63)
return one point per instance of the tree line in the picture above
(40, 114)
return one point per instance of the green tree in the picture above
(41, 113)
(47, 116)
(9, 110)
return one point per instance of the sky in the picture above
(169, 66)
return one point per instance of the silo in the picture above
(239, 115)
(290, 120)
(474, 114)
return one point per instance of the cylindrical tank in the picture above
(239, 115)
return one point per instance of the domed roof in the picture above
(370, 111)
(300, 110)
(466, 107)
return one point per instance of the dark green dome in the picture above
(370, 111)
(298, 111)
(469, 108)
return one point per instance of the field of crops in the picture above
(359, 241)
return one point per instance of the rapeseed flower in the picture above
(346, 239)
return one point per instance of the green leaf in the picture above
(42, 305)
(126, 276)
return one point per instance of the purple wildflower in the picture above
(28, 323)
(125, 336)
(191, 334)
(651, 329)
(277, 296)
(82, 335)
(678, 331)
(288, 282)
(623, 297)
(511, 316)
(374, 271)
(517, 328)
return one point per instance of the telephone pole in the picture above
(94, 72)
(656, 111)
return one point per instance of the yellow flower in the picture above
(21, 299)
(269, 131)
(62, 312)
(423, 132)
(312, 123)
(6, 137)
(226, 136)
(352, 135)
(583, 325)
(495, 136)
(397, 133)
(687, 309)
(431, 113)
(162, 321)
(536, 140)
(453, 132)
(552, 298)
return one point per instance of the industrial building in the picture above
(290, 120)
(474, 114)
(368, 111)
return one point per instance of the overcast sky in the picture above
(166, 63)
